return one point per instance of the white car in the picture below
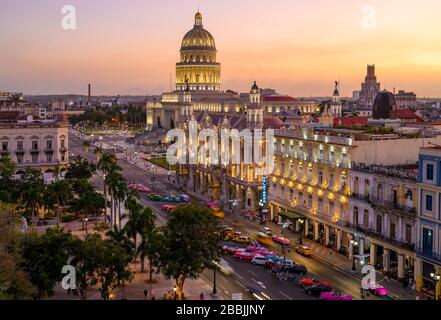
(259, 260)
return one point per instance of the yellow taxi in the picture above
(241, 239)
(264, 238)
(304, 250)
(217, 212)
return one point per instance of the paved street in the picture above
(246, 274)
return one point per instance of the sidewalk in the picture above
(335, 259)
(135, 289)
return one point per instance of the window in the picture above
(320, 204)
(331, 208)
(429, 171)
(49, 144)
(274, 187)
(282, 149)
(366, 219)
(283, 168)
(4, 146)
(321, 154)
(320, 177)
(331, 156)
(427, 241)
(429, 202)
(20, 145)
(301, 199)
(63, 156)
(408, 233)
(309, 201)
(63, 143)
(393, 230)
(309, 174)
(291, 149)
(34, 145)
(331, 181)
(34, 158)
(49, 158)
(301, 152)
(344, 157)
(282, 192)
(300, 171)
(19, 159)
(343, 182)
(291, 194)
(291, 169)
(355, 217)
(379, 224)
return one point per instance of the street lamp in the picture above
(175, 290)
(436, 277)
(86, 220)
(354, 244)
(301, 222)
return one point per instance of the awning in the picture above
(291, 214)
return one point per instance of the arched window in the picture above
(380, 192)
(409, 195)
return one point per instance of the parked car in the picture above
(309, 282)
(169, 208)
(155, 197)
(259, 260)
(285, 263)
(232, 250)
(297, 269)
(244, 255)
(266, 230)
(264, 238)
(241, 239)
(317, 289)
(304, 250)
(185, 197)
(281, 240)
(378, 290)
(335, 295)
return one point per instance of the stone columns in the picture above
(316, 230)
(326, 235)
(297, 226)
(373, 254)
(361, 246)
(386, 260)
(350, 250)
(401, 267)
(339, 234)
(306, 227)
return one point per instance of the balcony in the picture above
(388, 204)
(433, 256)
(20, 151)
(401, 244)
(364, 197)
(4, 152)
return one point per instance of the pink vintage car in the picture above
(281, 240)
(378, 290)
(334, 295)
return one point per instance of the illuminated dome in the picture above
(198, 64)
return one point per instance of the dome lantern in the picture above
(198, 19)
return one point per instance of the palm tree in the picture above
(145, 227)
(105, 162)
(113, 180)
(121, 195)
(32, 198)
(86, 145)
(61, 192)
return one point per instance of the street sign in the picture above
(236, 296)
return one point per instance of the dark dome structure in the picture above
(384, 106)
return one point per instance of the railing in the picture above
(429, 255)
(20, 151)
(392, 205)
(404, 245)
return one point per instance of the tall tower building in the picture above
(198, 64)
(335, 101)
(255, 109)
(369, 88)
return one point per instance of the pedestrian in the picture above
(413, 285)
(145, 294)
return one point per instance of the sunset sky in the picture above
(298, 47)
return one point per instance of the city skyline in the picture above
(290, 52)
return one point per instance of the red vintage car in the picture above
(309, 282)
(281, 240)
(232, 250)
(244, 255)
